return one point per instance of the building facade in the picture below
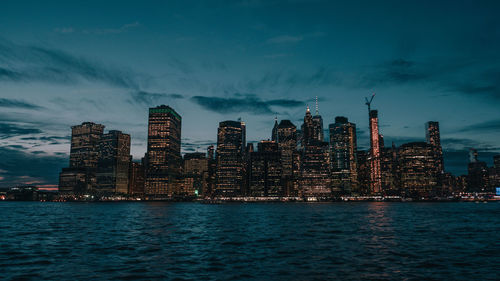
(113, 163)
(231, 146)
(163, 152)
(343, 155)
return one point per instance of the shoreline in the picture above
(311, 200)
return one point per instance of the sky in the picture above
(66, 62)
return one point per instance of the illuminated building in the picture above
(287, 142)
(136, 178)
(495, 172)
(265, 170)
(84, 145)
(315, 169)
(363, 172)
(343, 155)
(196, 167)
(163, 152)
(315, 159)
(477, 177)
(230, 172)
(375, 172)
(80, 177)
(113, 163)
(417, 165)
(389, 170)
(212, 167)
(75, 181)
(433, 138)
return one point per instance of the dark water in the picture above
(90, 241)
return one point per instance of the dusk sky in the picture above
(66, 62)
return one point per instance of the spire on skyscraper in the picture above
(317, 107)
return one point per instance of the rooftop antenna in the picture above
(317, 107)
(369, 102)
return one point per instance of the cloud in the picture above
(24, 168)
(468, 76)
(286, 80)
(242, 103)
(284, 39)
(19, 63)
(8, 130)
(148, 98)
(491, 126)
(17, 104)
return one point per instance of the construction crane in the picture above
(369, 102)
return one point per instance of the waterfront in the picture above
(153, 240)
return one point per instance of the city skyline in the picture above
(289, 164)
(57, 69)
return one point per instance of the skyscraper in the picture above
(477, 177)
(265, 170)
(343, 153)
(375, 173)
(389, 170)
(85, 139)
(80, 177)
(315, 159)
(113, 162)
(417, 163)
(196, 167)
(136, 178)
(287, 142)
(433, 138)
(274, 135)
(231, 144)
(307, 128)
(163, 152)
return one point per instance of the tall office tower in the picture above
(113, 163)
(375, 175)
(212, 167)
(265, 170)
(477, 177)
(318, 133)
(84, 145)
(211, 152)
(274, 135)
(343, 154)
(287, 143)
(495, 172)
(163, 152)
(417, 163)
(307, 128)
(80, 178)
(363, 172)
(230, 172)
(389, 170)
(496, 163)
(433, 138)
(196, 174)
(136, 178)
(315, 169)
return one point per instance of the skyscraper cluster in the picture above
(291, 163)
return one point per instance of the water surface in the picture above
(299, 241)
